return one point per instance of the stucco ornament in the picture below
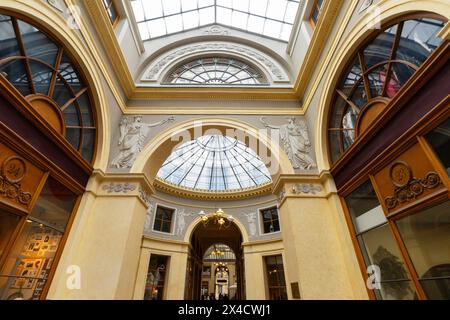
(251, 219)
(148, 217)
(133, 133)
(181, 221)
(294, 140)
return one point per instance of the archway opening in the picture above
(215, 268)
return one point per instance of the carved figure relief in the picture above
(252, 225)
(148, 217)
(294, 140)
(133, 133)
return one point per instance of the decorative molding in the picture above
(148, 217)
(306, 188)
(56, 4)
(294, 140)
(408, 188)
(282, 194)
(187, 193)
(144, 196)
(133, 134)
(217, 30)
(14, 170)
(272, 67)
(252, 223)
(119, 187)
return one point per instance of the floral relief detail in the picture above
(119, 187)
(408, 188)
(306, 188)
(144, 196)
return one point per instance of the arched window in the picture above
(215, 71)
(377, 72)
(44, 73)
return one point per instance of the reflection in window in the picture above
(29, 263)
(439, 139)
(379, 70)
(315, 11)
(270, 220)
(215, 163)
(427, 238)
(213, 71)
(276, 281)
(271, 18)
(111, 10)
(156, 277)
(378, 244)
(163, 219)
(35, 64)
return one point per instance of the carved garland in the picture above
(14, 169)
(119, 187)
(407, 187)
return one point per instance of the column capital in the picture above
(319, 185)
(103, 184)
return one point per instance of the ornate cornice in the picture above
(208, 195)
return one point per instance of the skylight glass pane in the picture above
(207, 16)
(276, 9)
(224, 16)
(190, 19)
(188, 5)
(153, 11)
(156, 28)
(214, 163)
(174, 23)
(170, 6)
(272, 28)
(257, 16)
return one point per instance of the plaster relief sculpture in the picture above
(295, 142)
(119, 187)
(306, 188)
(181, 221)
(251, 219)
(148, 217)
(133, 133)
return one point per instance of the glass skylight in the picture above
(215, 71)
(214, 163)
(271, 18)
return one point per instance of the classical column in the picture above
(105, 240)
(318, 251)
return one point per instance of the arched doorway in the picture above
(204, 239)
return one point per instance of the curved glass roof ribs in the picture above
(270, 18)
(214, 71)
(214, 163)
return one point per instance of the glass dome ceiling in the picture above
(214, 163)
(270, 18)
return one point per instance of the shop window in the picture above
(270, 220)
(378, 245)
(112, 11)
(163, 219)
(275, 277)
(439, 139)
(156, 277)
(427, 238)
(27, 266)
(375, 75)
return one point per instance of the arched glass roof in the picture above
(216, 71)
(214, 163)
(270, 18)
